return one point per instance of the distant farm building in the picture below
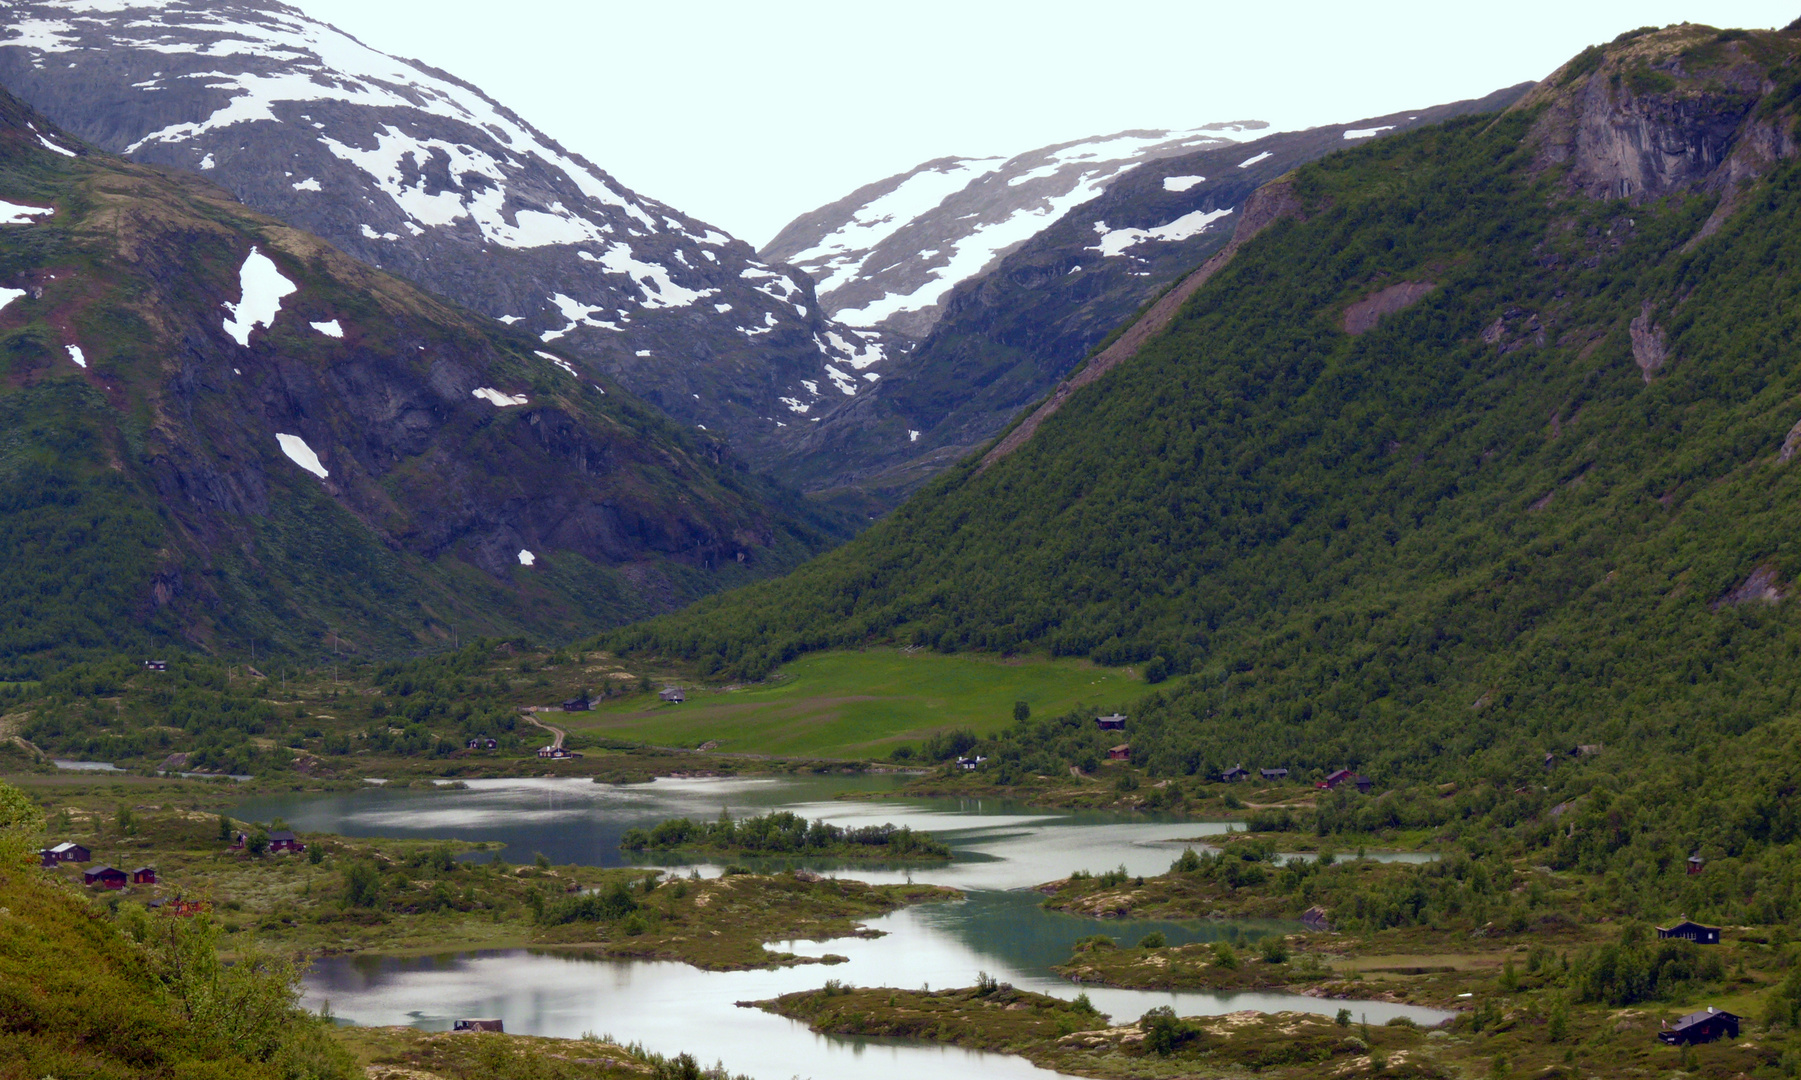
(576, 704)
(1691, 931)
(673, 694)
(1701, 1027)
(1274, 774)
(156, 665)
(144, 875)
(104, 876)
(556, 753)
(968, 764)
(67, 852)
(284, 840)
(1338, 777)
(1112, 722)
(1695, 864)
(482, 742)
(1122, 752)
(1236, 772)
(481, 1024)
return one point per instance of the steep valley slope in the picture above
(1482, 446)
(1004, 337)
(421, 174)
(218, 431)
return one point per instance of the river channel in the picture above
(1001, 850)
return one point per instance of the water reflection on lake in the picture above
(1001, 850)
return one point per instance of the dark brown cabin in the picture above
(1701, 1027)
(1122, 752)
(1691, 931)
(284, 840)
(144, 875)
(104, 876)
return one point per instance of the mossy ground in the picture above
(402, 1053)
(1509, 1040)
(426, 896)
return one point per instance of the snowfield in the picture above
(301, 454)
(262, 290)
(890, 260)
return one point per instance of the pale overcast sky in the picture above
(746, 113)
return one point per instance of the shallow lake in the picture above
(1002, 849)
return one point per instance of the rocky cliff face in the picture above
(1007, 337)
(887, 255)
(223, 429)
(416, 172)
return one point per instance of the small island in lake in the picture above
(783, 833)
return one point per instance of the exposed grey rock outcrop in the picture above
(1649, 348)
(1645, 127)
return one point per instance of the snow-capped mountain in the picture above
(421, 174)
(1008, 336)
(885, 256)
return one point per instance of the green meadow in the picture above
(863, 704)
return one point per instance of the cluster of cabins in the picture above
(111, 877)
(1334, 779)
(1710, 1023)
(106, 877)
(1123, 752)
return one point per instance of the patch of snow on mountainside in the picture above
(20, 214)
(1182, 183)
(887, 255)
(1117, 241)
(1365, 133)
(301, 454)
(1250, 161)
(262, 287)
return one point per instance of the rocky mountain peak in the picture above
(1658, 111)
(887, 255)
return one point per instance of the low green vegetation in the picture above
(1523, 1025)
(991, 1015)
(400, 1053)
(783, 833)
(87, 996)
(418, 716)
(347, 895)
(873, 703)
(111, 992)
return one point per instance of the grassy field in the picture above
(863, 704)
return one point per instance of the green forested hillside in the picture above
(1486, 528)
